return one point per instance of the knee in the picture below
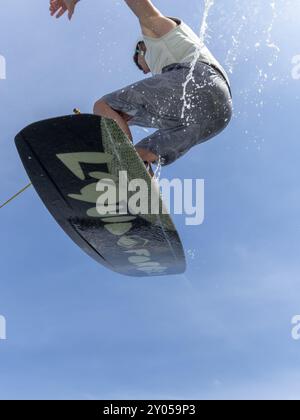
(99, 106)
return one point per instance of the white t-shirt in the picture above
(177, 46)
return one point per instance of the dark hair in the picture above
(136, 54)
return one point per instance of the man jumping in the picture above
(167, 49)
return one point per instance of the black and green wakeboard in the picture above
(65, 159)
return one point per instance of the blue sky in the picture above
(223, 330)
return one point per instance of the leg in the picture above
(102, 109)
(167, 145)
(153, 103)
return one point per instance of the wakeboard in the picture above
(69, 161)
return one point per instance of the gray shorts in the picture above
(157, 102)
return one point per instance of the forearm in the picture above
(143, 9)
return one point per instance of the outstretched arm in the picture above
(143, 9)
(152, 21)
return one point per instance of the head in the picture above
(139, 57)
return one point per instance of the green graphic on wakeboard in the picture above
(71, 162)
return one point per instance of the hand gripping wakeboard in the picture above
(66, 158)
